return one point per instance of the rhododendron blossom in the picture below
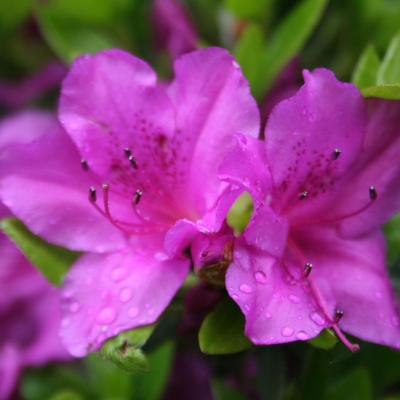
(131, 181)
(324, 180)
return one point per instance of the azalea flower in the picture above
(174, 30)
(323, 182)
(132, 180)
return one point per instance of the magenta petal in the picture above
(378, 165)
(43, 184)
(213, 102)
(107, 294)
(9, 370)
(245, 165)
(278, 309)
(352, 276)
(303, 133)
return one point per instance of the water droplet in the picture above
(268, 315)
(378, 295)
(65, 322)
(294, 299)
(133, 312)
(118, 274)
(260, 277)
(287, 331)
(235, 297)
(235, 64)
(107, 315)
(247, 307)
(150, 311)
(245, 288)
(125, 295)
(395, 321)
(74, 307)
(104, 328)
(317, 318)
(301, 335)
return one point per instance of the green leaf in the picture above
(240, 213)
(289, 38)
(355, 386)
(366, 71)
(389, 92)
(326, 340)
(392, 233)
(151, 386)
(125, 351)
(389, 71)
(51, 260)
(66, 395)
(257, 9)
(222, 331)
(249, 53)
(11, 17)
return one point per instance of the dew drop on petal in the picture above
(301, 335)
(245, 288)
(118, 274)
(107, 315)
(74, 307)
(65, 322)
(235, 297)
(378, 295)
(133, 312)
(317, 318)
(260, 277)
(395, 321)
(287, 332)
(294, 299)
(268, 315)
(125, 295)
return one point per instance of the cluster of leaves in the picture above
(269, 35)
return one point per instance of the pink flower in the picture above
(173, 28)
(29, 317)
(323, 182)
(149, 154)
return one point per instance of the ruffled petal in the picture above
(213, 102)
(352, 277)
(43, 184)
(106, 294)
(277, 307)
(312, 139)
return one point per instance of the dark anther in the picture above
(138, 195)
(307, 269)
(127, 152)
(85, 165)
(132, 160)
(373, 194)
(105, 186)
(336, 153)
(303, 195)
(92, 194)
(338, 315)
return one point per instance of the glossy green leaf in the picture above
(240, 213)
(392, 233)
(256, 9)
(355, 386)
(66, 395)
(51, 260)
(389, 92)
(125, 350)
(289, 38)
(151, 386)
(12, 16)
(326, 340)
(366, 71)
(389, 71)
(222, 331)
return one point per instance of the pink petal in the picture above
(43, 184)
(352, 276)
(9, 370)
(277, 308)
(107, 294)
(212, 101)
(303, 133)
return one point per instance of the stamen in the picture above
(336, 153)
(133, 162)
(307, 269)
(303, 195)
(106, 188)
(373, 194)
(127, 152)
(92, 194)
(338, 315)
(84, 165)
(138, 195)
